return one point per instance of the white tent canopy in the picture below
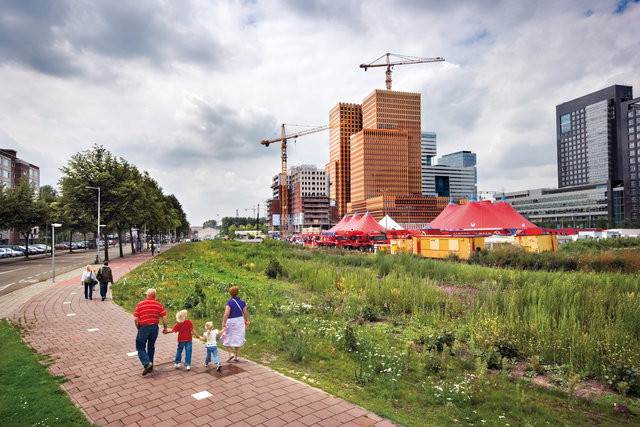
(389, 223)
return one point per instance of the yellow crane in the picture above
(283, 180)
(404, 60)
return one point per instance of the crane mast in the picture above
(405, 60)
(283, 184)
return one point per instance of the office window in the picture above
(565, 123)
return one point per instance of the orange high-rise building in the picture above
(398, 111)
(386, 166)
(344, 120)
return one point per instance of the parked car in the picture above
(14, 250)
(61, 245)
(44, 248)
(4, 253)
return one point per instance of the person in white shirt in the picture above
(89, 281)
(209, 336)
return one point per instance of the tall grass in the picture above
(585, 320)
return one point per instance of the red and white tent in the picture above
(482, 215)
(366, 224)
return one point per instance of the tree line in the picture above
(129, 199)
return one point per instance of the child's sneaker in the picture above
(218, 367)
(176, 365)
(187, 367)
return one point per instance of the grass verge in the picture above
(29, 394)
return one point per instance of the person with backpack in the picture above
(105, 276)
(88, 280)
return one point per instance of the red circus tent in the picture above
(482, 215)
(343, 222)
(366, 224)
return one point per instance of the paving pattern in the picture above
(93, 345)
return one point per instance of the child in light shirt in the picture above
(211, 345)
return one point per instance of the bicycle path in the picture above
(92, 344)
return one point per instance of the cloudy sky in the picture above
(187, 89)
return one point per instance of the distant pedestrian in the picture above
(235, 320)
(89, 281)
(210, 337)
(104, 276)
(146, 317)
(153, 248)
(184, 328)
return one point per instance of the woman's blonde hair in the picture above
(181, 316)
(88, 268)
(233, 291)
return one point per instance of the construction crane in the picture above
(283, 184)
(405, 60)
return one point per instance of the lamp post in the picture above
(53, 250)
(98, 235)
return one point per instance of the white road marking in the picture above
(133, 353)
(67, 302)
(11, 271)
(201, 395)
(93, 330)
(71, 314)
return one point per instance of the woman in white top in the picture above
(88, 280)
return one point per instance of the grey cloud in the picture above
(52, 37)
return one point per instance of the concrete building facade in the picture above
(453, 175)
(630, 141)
(12, 170)
(596, 143)
(310, 206)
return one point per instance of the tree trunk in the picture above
(133, 248)
(26, 244)
(120, 241)
(70, 241)
(106, 247)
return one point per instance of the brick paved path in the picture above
(93, 345)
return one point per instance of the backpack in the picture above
(99, 275)
(88, 280)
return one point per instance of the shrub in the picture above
(370, 313)
(274, 269)
(507, 348)
(618, 372)
(438, 340)
(299, 347)
(350, 339)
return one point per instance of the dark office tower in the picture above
(589, 147)
(631, 154)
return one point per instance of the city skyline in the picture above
(188, 90)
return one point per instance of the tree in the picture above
(24, 210)
(210, 223)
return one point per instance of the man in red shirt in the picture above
(145, 317)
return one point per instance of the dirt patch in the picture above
(587, 389)
(268, 358)
(464, 294)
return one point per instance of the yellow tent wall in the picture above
(539, 243)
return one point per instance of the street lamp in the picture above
(53, 250)
(98, 235)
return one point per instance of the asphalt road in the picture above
(16, 273)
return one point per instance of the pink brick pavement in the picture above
(93, 345)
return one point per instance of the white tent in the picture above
(389, 223)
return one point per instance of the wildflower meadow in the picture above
(416, 340)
